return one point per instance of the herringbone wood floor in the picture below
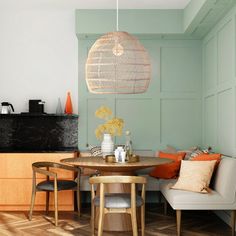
(194, 223)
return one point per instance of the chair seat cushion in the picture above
(118, 200)
(61, 185)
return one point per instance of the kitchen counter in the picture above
(16, 181)
(26, 114)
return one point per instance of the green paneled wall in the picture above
(219, 94)
(168, 113)
(219, 83)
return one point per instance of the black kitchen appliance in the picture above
(36, 106)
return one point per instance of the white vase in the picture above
(107, 146)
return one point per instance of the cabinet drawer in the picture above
(17, 194)
(19, 165)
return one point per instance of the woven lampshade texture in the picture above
(118, 63)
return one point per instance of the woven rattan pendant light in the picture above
(118, 63)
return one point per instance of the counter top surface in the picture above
(26, 114)
(38, 151)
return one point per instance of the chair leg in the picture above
(233, 217)
(178, 221)
(134, 221)
(100, 221)
(143, 220)
(32, 197)
(47, 201)
(55, 203)
(92, 219)
(78, 202)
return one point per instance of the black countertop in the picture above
(38, 151)
(27, 132)
(26, 114)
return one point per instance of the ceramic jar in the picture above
(107, 146)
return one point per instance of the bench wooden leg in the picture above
(165, 206)
(159, 196)
(233, 216)
(178, 221)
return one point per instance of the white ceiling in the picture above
(135, 4)
(98, 4)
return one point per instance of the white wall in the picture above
(38, 53)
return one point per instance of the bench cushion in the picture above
(222, 197)
(225, 178)
(186, 200)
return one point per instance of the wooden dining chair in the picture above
(117, 202)
(53, 184)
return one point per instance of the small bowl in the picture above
(110, 158)
(133, 158)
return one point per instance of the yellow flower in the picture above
(103, 112)
(112, 126)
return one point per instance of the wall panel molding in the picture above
(175, 75)
(224, 101)
(181, 131)
(142, 112)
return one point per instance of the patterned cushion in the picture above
(95, 150)
(198, 152)
(189, 152)
(61, 185)
(118, 200)
(193, 152)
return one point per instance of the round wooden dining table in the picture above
(116, 222)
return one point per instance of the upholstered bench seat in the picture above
(185, 200)
(221, 197)
(153, 184)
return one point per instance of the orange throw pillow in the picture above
(173, 156)
(208, 157)
(170, 170)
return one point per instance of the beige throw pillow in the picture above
(195, 176)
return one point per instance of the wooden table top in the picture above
(99, 163)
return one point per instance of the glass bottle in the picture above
(128, 145)
(59, 107)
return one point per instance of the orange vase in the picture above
(68, 106)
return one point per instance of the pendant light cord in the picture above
(117, 15)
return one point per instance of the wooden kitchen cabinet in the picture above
(16, 181)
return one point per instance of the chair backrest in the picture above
(46, 164)
(132, 180)
(117, 179)
(225, 179)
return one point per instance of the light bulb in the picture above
(118, 50)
